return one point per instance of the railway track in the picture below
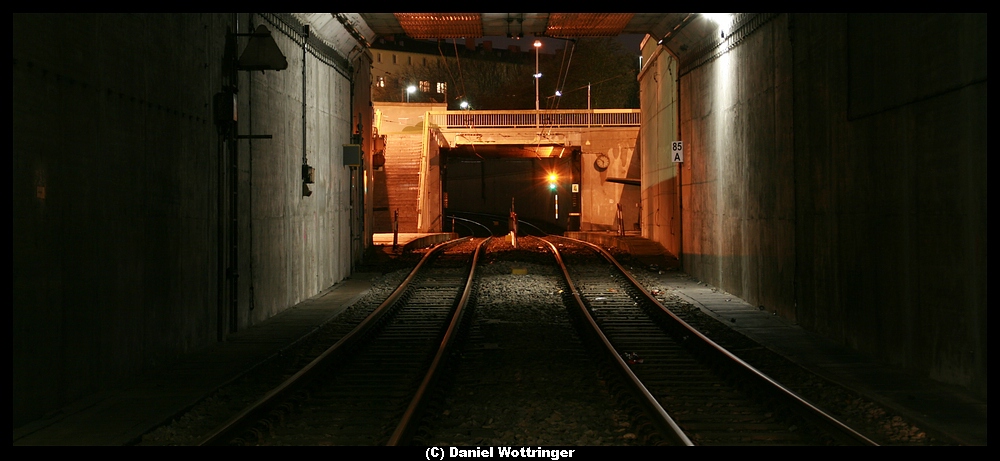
(365, 388)
(523, 375)
(712, 395)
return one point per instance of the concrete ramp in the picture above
(646, 251)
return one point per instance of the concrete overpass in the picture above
(834, 173)
(528, 145)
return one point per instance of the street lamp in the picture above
(410, 90)
(538, 45)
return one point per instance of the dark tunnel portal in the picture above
(485, 180)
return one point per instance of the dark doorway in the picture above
(541, 188)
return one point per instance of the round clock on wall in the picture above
(602, 162)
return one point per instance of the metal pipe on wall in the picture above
(234, 242)
(305, 47)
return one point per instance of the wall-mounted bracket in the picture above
(261, 53)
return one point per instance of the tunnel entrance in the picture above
(542, 181)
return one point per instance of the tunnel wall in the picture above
(116, 205)
(835, 174)
(300, 245)
(890, 172)
(658, 97)
(738, 188)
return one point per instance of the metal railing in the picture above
(464, 119)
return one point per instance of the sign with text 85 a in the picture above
(677, 151)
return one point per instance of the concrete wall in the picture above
(362, 216)
(301, 245)
(835, 173)
(738, 188)
(599, 199)
(116, 205)
(658, 98)
(430, 211)
(890, 180)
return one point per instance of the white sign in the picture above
(576, 188)
(677, 151)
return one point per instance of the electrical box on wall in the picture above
(308, 177)
(352, 154)
(225, 107)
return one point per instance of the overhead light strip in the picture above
(587, 24)
(441, 25)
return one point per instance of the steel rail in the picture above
(803, 407)
(408, 423)
(471, 221)
(263, 405)
(498, 217)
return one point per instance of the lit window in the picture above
(425, 86)
(380, 82)
(442, 87)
